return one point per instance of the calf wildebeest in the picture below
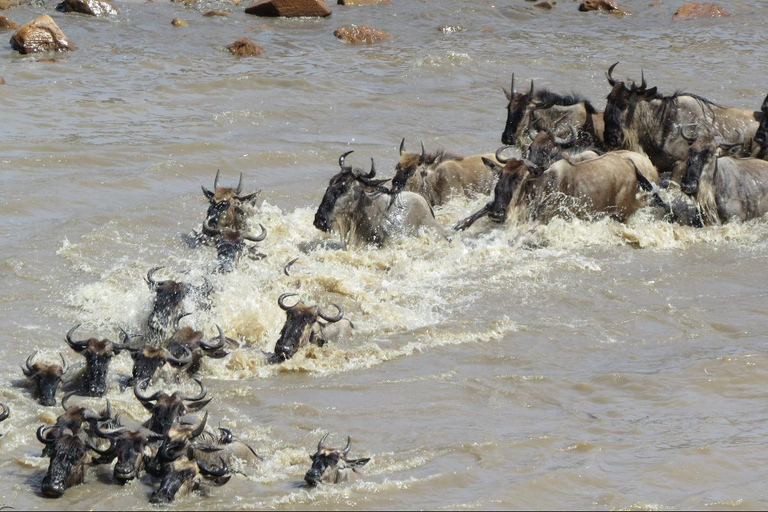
(98, 354)
(331, 465)
(547, 148)
(167, 308)
(166, 409)
(724, 187)
(230, 244)
(544, 110)
(133, 450)
(441, 175)
(641, 119)
(361, 211)
(606, 185)
(148, 361)
(188, 339)
(46, 378)
(68, 463)
(302, 326)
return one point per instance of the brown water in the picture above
(578, 365)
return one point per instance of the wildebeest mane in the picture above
(439, 156)
(545, 98)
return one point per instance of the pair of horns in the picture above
(210, 230)
(423, 151)
(29, 371)
(331, 319)
(512, 86)
(156, 394)
(346, 449)
(344, 168)
(613, 82)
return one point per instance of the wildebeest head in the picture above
(344, 192)
(166, 409)
(226, 205)
(620, 106)
(761, 136)
(46, 377)
(188, 339)
(68, 453)
(517, 108)
(230, 244)
(302, 326)
(331, 465)
(547, 147)
(182, 476)
(169, 295)
(132, 449)
(76, 417)
(98, 354)
(148, 360)
(406, 166)
(704, 152)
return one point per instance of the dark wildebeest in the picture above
(725, 188)
(331, 465)
(761, 135)
(167, 309)
(149, 360)
(46, 378)
(362, 212)
(641, 119)
(188, 339)
(544, 110)
(606, 185)
(69, 461)
(547, 148)
(76, 419)
(302, 327)
(133, 450)
(166, 409)
(182, 476)
(441, 175)
(98, 354)
(227, 208)
(230, 244)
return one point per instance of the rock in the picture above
(601, 5)
(245, 48)
(178, 22)
(695, 10)
(289, 8)
(6, 24)
(41, 35)
(211, 14)
(2, 81)
(656, 4)
(7, 4)
(362, 34)
(98, 8)
(450, 29)
(545, 5)
(366, 2)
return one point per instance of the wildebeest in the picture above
(230, 244)
(167, 308)
(182, 476)
(227, 208)
(188, 339)
(606, 185)
(641, 119)
(302, 327)
(361, 211)
(441, 175)
(761, 135)
(98, 354)
(148, 360)
(547, 148)
(543, 110)
(77, 418)
(724, 187)
(133, 450)
(331, 465)
(166, 409)
(68, 452)
(46, 378)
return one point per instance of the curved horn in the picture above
(371, 174)
(402, 146)
(288, 265)
(739, 141)
(609, 74)
(207, 470)
(6, 412)
(686, 136)
(29, 371)
(107, 413)
(570, 140)
(210, 230)
(226, 437)
(199, 396)
(423, 153)
(76, 345)
(178, 360)
(170, 451)
(259, 238)
(41, 434)
(137, 391)
(65, 399)
(178, 319)
(512, 86)
(500, 158)
(99, 450)
(64, 365)
(331, 319)
(209, 346)
(151, 282)
(345, 451)
(643, 84)
(216, 180)
(320, 444)
(201, 427)
(239, 185)
(531, 91)
(107, 435)
(282, 298)
(343, 157)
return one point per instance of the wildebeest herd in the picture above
(702, 163)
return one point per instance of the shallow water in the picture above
(575, 365)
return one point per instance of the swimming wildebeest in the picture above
(331, 465)
(606, 185)
(149, 360)
(188, 339)
(133, 450)
(547, 148)
(641, 119)
(230, 244)
(46, 378)
(166, 409)
(98, 354)
(302, 327)
(227, 208)
(441, 175)
(543, 110)
(182, 476)
(361, 211)
(167, 308)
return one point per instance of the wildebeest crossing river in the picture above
(576, 364)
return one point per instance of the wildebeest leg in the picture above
(465, 223)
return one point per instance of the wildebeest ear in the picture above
(207, 193)
(492, 165)
(507, 93)
(358, 463)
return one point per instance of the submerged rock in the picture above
(244, 47)
(98, 8)
(365, 2)
(601, 5)
(41, 35)
(362, 34)
(695, 10)
(289, 8)
(6, 24)
(178, 22)
(211, 14)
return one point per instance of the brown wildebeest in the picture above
(98, 354)
(46, 378)
(331, 465)
(547, 148)
(230, 244)
(167, 308)
(133, 450)
(227, 208)
(166, 409)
